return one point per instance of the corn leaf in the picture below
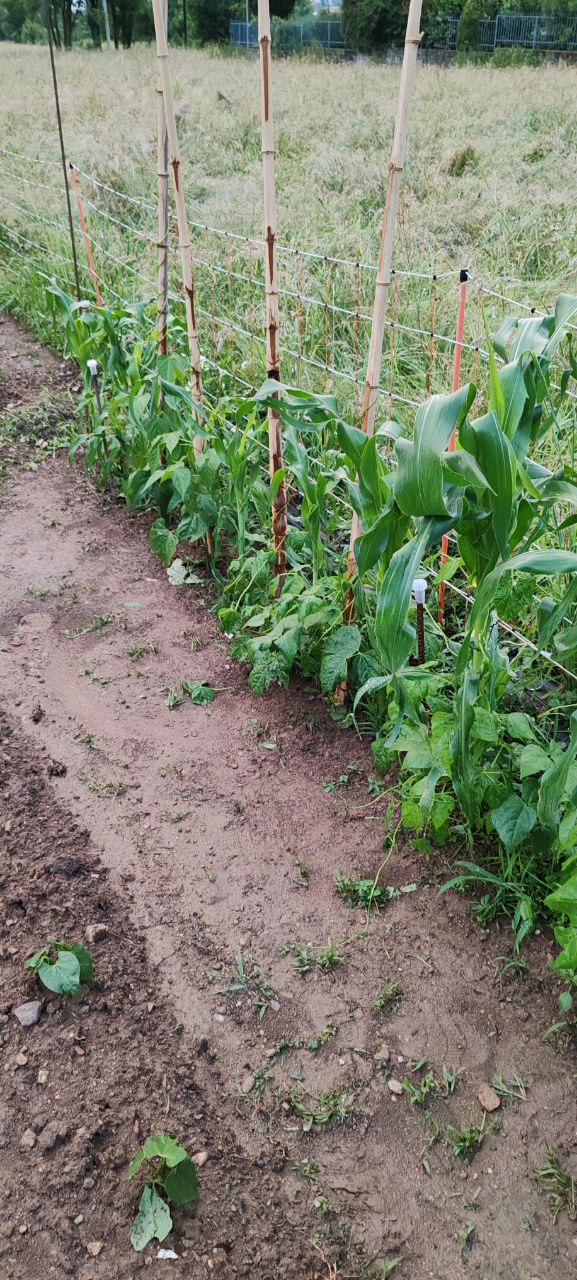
(419, 489)
(395, 638)
(548, 563)
(554, 781)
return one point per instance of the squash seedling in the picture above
(62, 967)
(171, 1177)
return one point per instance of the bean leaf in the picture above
(153, 1221)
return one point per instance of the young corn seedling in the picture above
(389, 999)
(559, 1186)
(514, 1088)
(330, 1105)
(171, 1176)
(465, 1142)
(247, 980)
(329, 957)
(321, 1039)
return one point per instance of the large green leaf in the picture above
(163, 541)
(383, 536)
(341, 645)
(153, 1221)
(352, 442)
(497, 462)
(419, 489)
(464, 773)
(513, 821)
(181, 1184)
(160, 1146)
(515, 395)
(395, 638)
(554, 781)
(563, 901)
(565, 311)
(549, 563)
(61, 975)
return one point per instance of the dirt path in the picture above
(214, 833)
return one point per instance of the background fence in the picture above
(289, 36)
(527, 31)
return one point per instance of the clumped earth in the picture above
(239, 1002)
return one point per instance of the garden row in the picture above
(487, 746)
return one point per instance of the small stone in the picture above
(275, 1006)
(21, 1060)
(29, 1013)
(88, 1184)
(28, 1140)
(78, 1219)
(96, 932)
(95, 1247)
(489, 1100)
(200, 1158)
(42, 1076)
(23, 1229)
(52, 1135)
(56, 769)
(383, 1053)
(247, 1083)
(395, 1086)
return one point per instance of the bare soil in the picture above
(195, 835)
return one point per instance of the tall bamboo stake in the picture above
(48, 20)
(181, 215)
(383, 281)
(275, 447)
(162, 176)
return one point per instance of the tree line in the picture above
(369, 24)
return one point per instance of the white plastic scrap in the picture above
(166, 1253)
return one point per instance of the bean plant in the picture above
(170, 1177)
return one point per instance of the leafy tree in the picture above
(473, 12)
(436, 14)
(371, 24)
(22, 20)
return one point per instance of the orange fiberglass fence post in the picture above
(91, 266)
(457, 359)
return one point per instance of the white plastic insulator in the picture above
(420, 589)
(92, 367)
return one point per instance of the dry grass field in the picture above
(491, 177)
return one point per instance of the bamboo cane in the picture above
(279, 506)
(181, 215)
(162, 177)
(48, 21)
(383, 281)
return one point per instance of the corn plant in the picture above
(501, 505)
